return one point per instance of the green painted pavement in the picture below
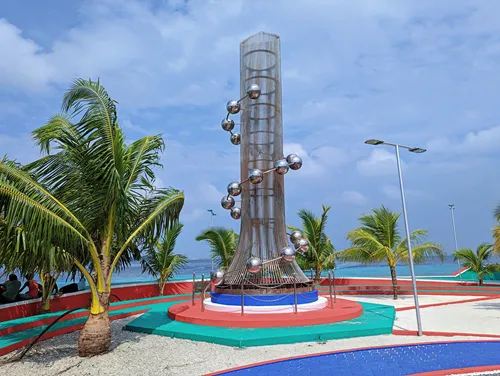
(376, 319)
(13, 338)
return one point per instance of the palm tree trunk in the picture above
(394, 282)
(95, 337)
(480, 281)
(318, 274)
(161, 287)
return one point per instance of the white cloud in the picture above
(22, 64)
(353, 197)
(380, 162)
(478, 142)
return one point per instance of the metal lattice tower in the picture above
(263, 227)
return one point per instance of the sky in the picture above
(418, 72)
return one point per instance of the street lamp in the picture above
(405, 216)
(212, 225)
(452, 208)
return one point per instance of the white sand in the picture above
(141, 354)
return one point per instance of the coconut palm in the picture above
(496, 230)
(379, 239)
(160, 260)
(91, 195)
(477, 261)
(223, 243)
(321, 252)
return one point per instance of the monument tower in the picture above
(264, 262)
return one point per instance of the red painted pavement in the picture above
(491, 297)
(342, 310)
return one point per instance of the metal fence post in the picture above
(242, 297)
(194, 287)
(334, 287)
(202, 295)
(294, 293)
(330, 289)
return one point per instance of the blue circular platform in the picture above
(382, 361)
(264, 300)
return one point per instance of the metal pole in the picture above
(242, 297)
(202, 295)
(410, 254)
(312, 276)
(452, 208)
(334, 287)
(294, 293)
(194, 288)
(330, 289)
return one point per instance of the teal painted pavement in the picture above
(376, 319)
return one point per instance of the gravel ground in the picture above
(140, 354)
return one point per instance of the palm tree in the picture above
(223, 243)
(378, 239)
(160, 260)
(91, 195)
(321, 252)
(476, 262)
(496, 230)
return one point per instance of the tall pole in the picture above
(212, 215)
(410, 254)
(452, 208)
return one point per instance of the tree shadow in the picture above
(487, 305)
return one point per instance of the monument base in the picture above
(341, 310)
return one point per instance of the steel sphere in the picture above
(227, 124)
(236, 138)
(227, 202)
(253, 91)
(254, 265)
(255, 176)
(288, 254)
(302, 245)
(294, 161)
(233, 107)
(219, 274)
(234, 188)
(295, 236)
(236, 213)
(281, 167)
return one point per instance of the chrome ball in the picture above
(281, 167)
(233, 107)
(227, 124)
(295, 236)
(254, 265)
(236, 138)
(253, 91)
(288, 254)
(255, 176)
(227, 202)
(294, 161)
(302, 245)
(236, 213)
(219, 274)
(234, 188)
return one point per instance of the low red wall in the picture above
(345, 286)
(82, 299)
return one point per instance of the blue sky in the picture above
(422, 73)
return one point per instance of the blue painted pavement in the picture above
(398, 360)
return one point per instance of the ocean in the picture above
(204, 266)
(380, 270)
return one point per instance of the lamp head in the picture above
(374, 142)
(417, 150)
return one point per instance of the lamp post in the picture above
(452, 208)
(405, 216)
(212, 215)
